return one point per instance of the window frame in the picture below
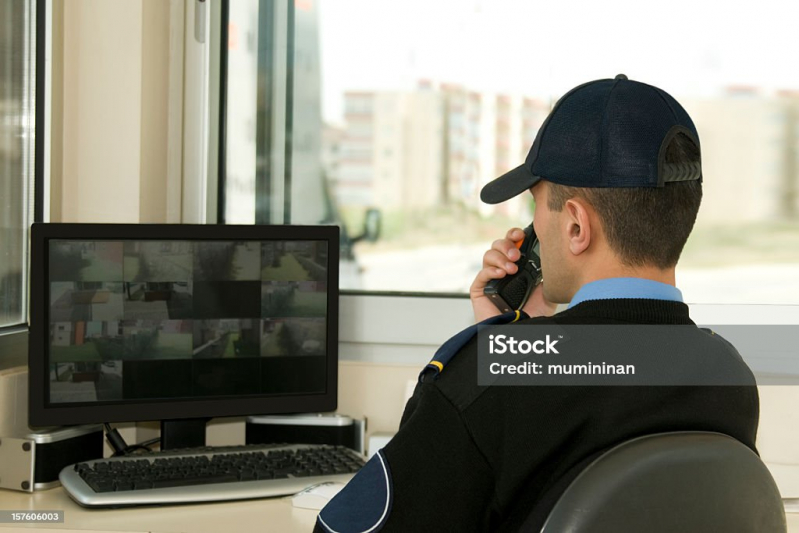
(375, 325)
(14, 337)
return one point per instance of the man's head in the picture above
(615, 172)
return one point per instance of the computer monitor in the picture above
(181, 323)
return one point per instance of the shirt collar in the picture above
(611, 288)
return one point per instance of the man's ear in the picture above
(578, 226)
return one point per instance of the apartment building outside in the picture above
(750, 157)
(440, 146)
(431, 147)
(391, 150)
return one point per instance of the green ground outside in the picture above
(298, 304)
(308, 304)
(246, 263)
(270, 344)
(230, 349)
(65, 375)
(130, 267)
(169, 268)
(168, 346)
(289, 270)
(416, 228)
(73, 354)
(102, 270)
(308, 329)
(710, 245)
(174, 345)
(741, 244)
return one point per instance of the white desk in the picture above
(261, 516)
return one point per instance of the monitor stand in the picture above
(183, 433)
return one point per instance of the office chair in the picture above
(686, 482)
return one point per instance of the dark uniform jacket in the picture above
(470, 458)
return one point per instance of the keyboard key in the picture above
(187, 481)
(211, 468)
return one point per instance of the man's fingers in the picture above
(515, 234)
(507, 248)
(487, 274)
(495, 258)
(500, 260)
(483, 278)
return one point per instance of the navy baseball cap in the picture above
(604, 133)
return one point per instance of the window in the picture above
(17, 98)
(383, 113)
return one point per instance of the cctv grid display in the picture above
(149, 319)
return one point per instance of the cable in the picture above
(148, 443)
(121, 447)
(115, 439)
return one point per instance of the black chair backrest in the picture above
(686, 482)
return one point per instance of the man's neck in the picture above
(620, 271)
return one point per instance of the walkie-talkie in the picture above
(512, 292)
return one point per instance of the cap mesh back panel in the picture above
(638, 121)
(608, 134)
(574, 129)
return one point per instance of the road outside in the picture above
(451, 268)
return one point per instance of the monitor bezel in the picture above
(41, 414)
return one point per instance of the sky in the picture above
(544, 48)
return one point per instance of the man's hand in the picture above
(499, 262)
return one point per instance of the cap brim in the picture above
(508, 185)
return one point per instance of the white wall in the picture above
(114, 140)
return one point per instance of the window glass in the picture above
(407, 109)
(17, 85)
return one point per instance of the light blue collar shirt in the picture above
(611, 288)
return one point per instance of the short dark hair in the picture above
(644, 225)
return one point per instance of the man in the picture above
(615, 174)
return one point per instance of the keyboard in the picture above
(208, 474)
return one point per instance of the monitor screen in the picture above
(181, 321)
